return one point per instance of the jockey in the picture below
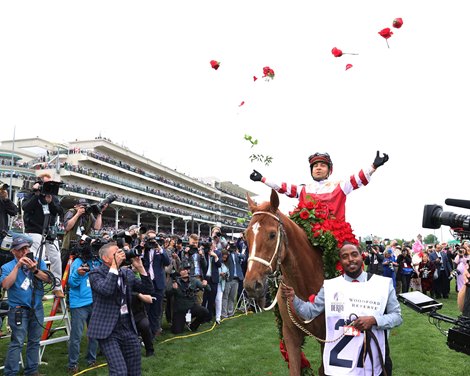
(331, 193)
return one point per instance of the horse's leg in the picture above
(293, 340)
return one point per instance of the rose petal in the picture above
(348, 66)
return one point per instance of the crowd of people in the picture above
(414, 266)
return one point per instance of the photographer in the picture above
(374, 259)
(185, 307)
(23, 277)
(155, 259)
(7, 208)
(112, 322)
(211, 275)
(40, 213)
(81, 305)
(195, 257)
(79, 221)
(217, 239)
(236, 276)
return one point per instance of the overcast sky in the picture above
(139, 74)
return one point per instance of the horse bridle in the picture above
(280, 233)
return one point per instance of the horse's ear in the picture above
(274, 200)
(251, 203)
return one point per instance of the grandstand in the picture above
(149, 194)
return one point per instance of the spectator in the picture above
(461, 261)
(223, 277)
(441, 285)
(7, 208)
(231, 285)
(405, 269)
(389, 265)
(195, 256)
(426, 272)
(23, 278)
(155, 259)
(211, 275)
(141, 320)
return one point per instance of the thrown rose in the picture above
(386, 33)
(268, 72)
(215, 64)
(397, 23)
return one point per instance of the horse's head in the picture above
(265, 241)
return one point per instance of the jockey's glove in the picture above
(256, 176)
(379, 161)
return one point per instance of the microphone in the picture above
(459, 203)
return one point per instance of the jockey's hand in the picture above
(256, 176)
(287, 292)
(379, 161)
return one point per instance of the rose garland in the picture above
(323, 230)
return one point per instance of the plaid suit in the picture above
(116, 333)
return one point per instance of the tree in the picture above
(430, 239)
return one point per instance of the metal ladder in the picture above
(47, 338)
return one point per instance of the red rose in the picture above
(309, 205)
(215, 64)
(304, 214)
(268, 72)
(386, 33)
(336, 52)
(397, 23)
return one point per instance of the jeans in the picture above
(30, 327)
(80, 316)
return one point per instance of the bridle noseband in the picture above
(280, 235)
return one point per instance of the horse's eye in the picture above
(272, 235)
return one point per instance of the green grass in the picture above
(248, 345)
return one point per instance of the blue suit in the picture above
(154, 310)
(441, 285)
(115, 330)
(208, 299)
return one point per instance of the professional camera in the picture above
(231, 246)
(87, 248)
(121, 238)
(98, 208)
(47, 188)
(132, 253)
(434, 217)
(368, 245)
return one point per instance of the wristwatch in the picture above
(36, 271)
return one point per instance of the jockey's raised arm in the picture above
(332, 193)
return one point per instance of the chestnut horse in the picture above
(275, 242)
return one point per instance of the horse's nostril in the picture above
(259, 286)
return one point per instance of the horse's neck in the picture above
(302, 269)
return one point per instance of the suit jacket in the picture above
(160, 260)
(107, 298)
(444, 260)
(235, 265)
(215, 265)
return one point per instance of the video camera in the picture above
(434, 217)
(87, 248)
(96, 209)
(45, 188)
(458, 337)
